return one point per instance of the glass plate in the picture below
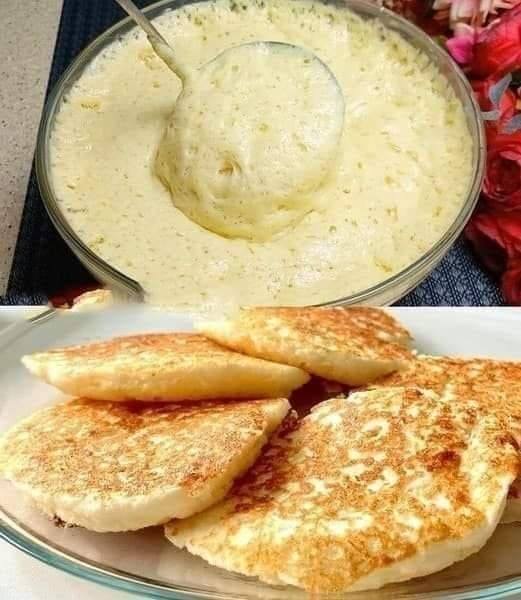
(144, 562)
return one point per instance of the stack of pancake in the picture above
(407, 471)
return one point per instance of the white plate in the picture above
(144, 562)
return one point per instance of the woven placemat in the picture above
(43, 265)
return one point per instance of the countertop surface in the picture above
(26, 47)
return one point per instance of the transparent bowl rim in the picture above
(35, 546)
(402, 281)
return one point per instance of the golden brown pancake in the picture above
(476, 375)
(350, 345)
(171, 367)
(495, 384)
(380, 487)
(116, 466)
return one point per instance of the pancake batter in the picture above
(402, 169)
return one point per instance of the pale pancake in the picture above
(495, 384)
(350, 345)
(117, 467)
(380, 487)
(171, 367)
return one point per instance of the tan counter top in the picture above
(26, 47)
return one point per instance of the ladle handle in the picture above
(158, 42)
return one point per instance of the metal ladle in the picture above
(163, 49)
(252, 178)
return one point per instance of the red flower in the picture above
(65, 299)
(496, 238)
(502, 185)
(498, 48)
(507, 104)
(485, 233)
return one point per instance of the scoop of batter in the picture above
(253, 135)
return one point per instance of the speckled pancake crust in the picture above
(380, 487)
(172, 367)
(495, 384)
(117, 467)
(350, 345)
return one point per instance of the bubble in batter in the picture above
(252, 137)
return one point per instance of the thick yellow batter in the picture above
(252, 139)
(402, 170)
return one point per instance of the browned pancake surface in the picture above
(95, 454)
(349, 345)
(341, 499)
(170, 366)
(494, 384)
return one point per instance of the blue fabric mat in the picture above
(43, 265)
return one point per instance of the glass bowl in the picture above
(383, 293)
